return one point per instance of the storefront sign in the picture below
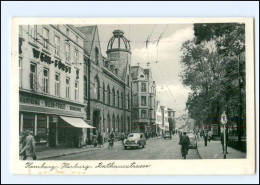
(29, 100)
(49, 104)
(47, 59)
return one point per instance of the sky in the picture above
(170, 91)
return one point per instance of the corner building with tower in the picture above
(107, 83)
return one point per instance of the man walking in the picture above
(111, 140)
(184, 142)
(205, 136)
(222, 141)
(29, 147)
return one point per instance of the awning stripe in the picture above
(76, 122)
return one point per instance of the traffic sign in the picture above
(224, 118)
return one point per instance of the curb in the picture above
(67, 154)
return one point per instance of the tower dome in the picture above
(118, 42)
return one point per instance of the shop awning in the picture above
(76, 122)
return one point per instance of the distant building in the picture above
(171, 118)
(158, 121)
(181, 121)
(107, 83)
(165, 122)
(143, 99)
(51, 84)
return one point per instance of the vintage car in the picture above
(167, 134)
(135, 140)
(193, 140)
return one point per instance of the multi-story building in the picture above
(107, 83)
(158, 121)
(143, 99)
(171, 119)
(51, 84)
(165, 122)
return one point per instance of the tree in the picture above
(214, 68)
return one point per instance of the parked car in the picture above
(193, 140)
(135, 140)
(167, 134)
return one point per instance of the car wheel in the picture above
(125, 147)
(143, 145)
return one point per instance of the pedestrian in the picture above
(222, 141)
(122, 137)
(94, 141)
(100, 140)
(184, 142)
(111, 140)
(205, 136)
(210, 135)
(29, 147)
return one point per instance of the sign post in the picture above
(224, 122)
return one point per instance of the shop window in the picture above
(57, 45)
(41, 136)
(68, 88)
(57, 84)
(33, 72)
(45, 80)
(29, 122)
(45, 38)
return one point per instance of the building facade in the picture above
(165, 122)
(158, 121)
(143, 100)
(171, 119)
(107, 83)
(51, 84)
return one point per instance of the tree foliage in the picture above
(214, 68)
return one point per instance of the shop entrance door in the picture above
(53, 131)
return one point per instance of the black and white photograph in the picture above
(132, 96)
(132, 91)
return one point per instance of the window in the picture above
(77, 39)
(67, 87)
(128, 81)
(143, 101)
(45, 38)
(143, 87)
(45, 80)
(33, 76)
(57, 45)
(67, 52)
(104, 93)
(122, 100)
(20, 72)
(143, 114)
(76, 90)
(96, 55)
(85, 88)
(108, 95)
(128, 103)
(118, 99)
(32, 32)
(76, 57)
(114, 98)
(96, 88)
(57, 84)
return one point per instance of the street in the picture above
(155, 149)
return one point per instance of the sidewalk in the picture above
(52, 152)
(213, 150)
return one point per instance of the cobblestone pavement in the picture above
(155, 149)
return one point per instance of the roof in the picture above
(136, 71)
(89, 32)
